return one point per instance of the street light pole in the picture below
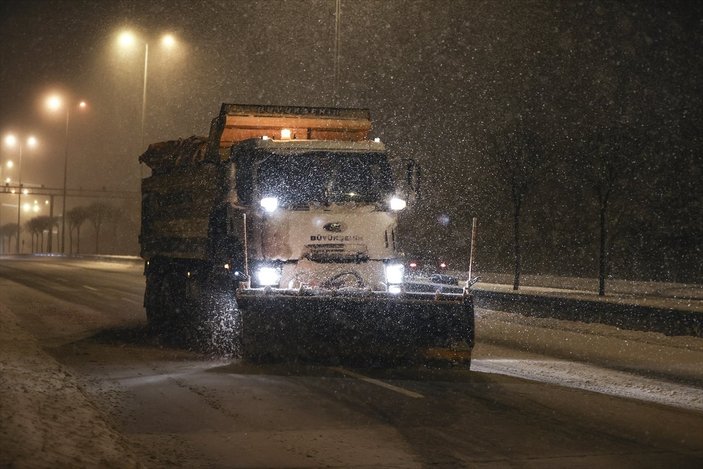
(146, 68)
(129, 39)
(65, 173)
(11, 140)
(2, 181)
(54, 103)
(19, 199)
(19, 202)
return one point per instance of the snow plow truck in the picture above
(274, 238)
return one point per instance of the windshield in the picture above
(324, 178)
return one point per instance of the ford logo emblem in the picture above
(335, 227)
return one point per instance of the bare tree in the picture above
(606, 168)
(39, 225)
(8, 231)
(75, 217)
(32, 226)
(98, 213)
(116, 219)
(518, 159)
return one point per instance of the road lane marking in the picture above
(90, 288)
(360, 377)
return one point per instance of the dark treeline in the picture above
(96, 228)
(586, 161)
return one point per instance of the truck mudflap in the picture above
(360, 328)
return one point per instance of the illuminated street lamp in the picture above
(126, 40)
(13, 141)
(54, 103)
(4, 180)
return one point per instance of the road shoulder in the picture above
(45, 418)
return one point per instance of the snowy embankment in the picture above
(646, 366)
(45, 418)
(673, 309)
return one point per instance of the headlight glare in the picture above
(268, 276)
(396, 204)
(270, 204)
(394, 274)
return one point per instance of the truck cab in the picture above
(320, 214)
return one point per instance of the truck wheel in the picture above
(152, 305)
(218, 319)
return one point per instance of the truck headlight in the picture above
(394, 274)
(270, 204)
(396, 204)
(268, 276)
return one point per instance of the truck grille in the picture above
(336, 253)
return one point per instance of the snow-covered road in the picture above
(541, 392)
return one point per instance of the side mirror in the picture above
(413, 175)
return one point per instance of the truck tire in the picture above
(152, 304)
(217, 321)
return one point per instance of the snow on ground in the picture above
(647, 366)
(596, 379)
(679, 296)
(45, 418)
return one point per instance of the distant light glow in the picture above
(285, 134)
(25, 191)
(377, 140)
(168, 40)
(11, 141)
(126, 39)
(82, 105)
(54, 102)
(7, 180)
(10, 164)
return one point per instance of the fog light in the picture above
(268, 276)
(394, 274)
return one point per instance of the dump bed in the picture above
(238, 122)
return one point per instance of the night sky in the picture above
(442, 78)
